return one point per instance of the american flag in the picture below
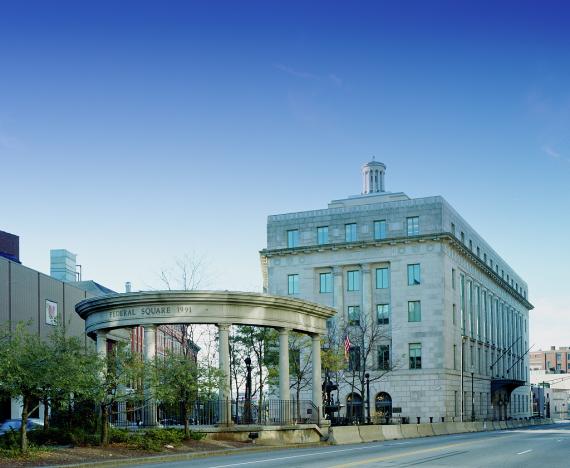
(347, 345)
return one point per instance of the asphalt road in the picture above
(542, 446)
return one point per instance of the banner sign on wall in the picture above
(51, 312)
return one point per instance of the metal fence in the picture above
(219, 412)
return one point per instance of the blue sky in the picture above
(132, 133)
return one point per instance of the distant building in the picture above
(555, 360)
(10, 246)
(439, 289)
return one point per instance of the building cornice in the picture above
(437, 237)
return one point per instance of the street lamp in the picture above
(247, 415)
(367, 376)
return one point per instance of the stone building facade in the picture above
(446, 299)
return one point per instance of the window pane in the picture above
(350, 232)
(325, 282)
(380, 229)
(413, 274)
(413, 225)
(383, 314)
(354, 315)
(293, 284)
(415, 352)
(323, 235)
(293, 238)
(383, 357)
(353, 280)
(381, 278)
(414, 311)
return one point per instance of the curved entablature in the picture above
(202, 307)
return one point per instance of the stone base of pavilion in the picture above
(267, 435)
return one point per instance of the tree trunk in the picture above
(298, 401)
(23, 433)
(104, 425)
(46, 413)
(185, 414)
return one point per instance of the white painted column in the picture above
(224, 365)
(284, 381)
(101, 345)
(317, 384)
(149, 356)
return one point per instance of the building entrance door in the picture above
(354, 407)
(383, 407)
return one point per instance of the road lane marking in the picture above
(409, 453)
(526, 451)
(312, 454)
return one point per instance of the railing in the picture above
(222, 412)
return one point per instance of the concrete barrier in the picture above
(503, 424)
(409, 431)
(391, 432)
(340, 435)
(440, 428)
(460, 427)
(497, 425)
(510, 424)
(478, 426)
(425, 430)
(370, 433)
(470, 426)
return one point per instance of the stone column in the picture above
(366, 291)
(149, 356)
(284, 381)
(102, 343)
(224, 356)
(317, 389)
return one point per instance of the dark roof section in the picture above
(10, 246)
(93, 288)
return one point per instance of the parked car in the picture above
(15, 424)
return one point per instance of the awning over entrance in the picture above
(505, 385)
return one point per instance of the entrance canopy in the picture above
(206, 307)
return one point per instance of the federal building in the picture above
(455, 314)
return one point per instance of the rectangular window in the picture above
(383, 314)
(413, 225)
(470, 245)
(380, 229)
(414, 311)
(381, 278)
(462, 302)
(323, 235)
(453, 228)
(293, 238)
(453, 278)
(354, 315)
(293, 284)
(384, 357)
(485, 258)
(325, 283)
(455, 357)
(350, 232)
(462, 237)
(415, 355)
(353, 280)
(354, 359)
(413, 274)
(478, 252)
(454, 311)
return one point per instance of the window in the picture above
(455, 357)
(383, 314)
(462, 237)
(323, 235)
(293, 238)
(353, 280)
(381, 278)
(413, 226)
(453, 278)
(350, 232)
(380, 229)
(413, 274)
(293, 284)
(325, 283)
(354, 359)
(354, 315)
(453, 228)
(478, 252)
(414, 311)
(454, 314)
(470, 245)
(485, 258)
(415, 355)
(384, 357)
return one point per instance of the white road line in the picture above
(526, 451)
(291, 456)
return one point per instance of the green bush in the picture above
(149, 439)
(58, 436)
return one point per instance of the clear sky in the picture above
(132, 133)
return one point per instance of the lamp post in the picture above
(367, 376)
(247, 415)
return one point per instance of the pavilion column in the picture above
(317, 389)
(102, 343)
(284, 393)
(224, 356)
(149, 356)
